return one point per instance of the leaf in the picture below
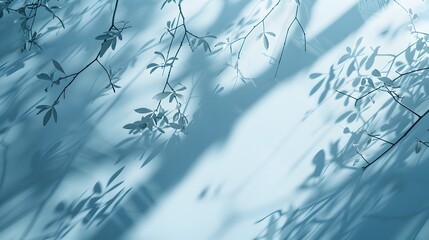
(160, 129)
(222, 44)
(206, 46)
(351, 68)
(58, 66)
(200, 41)
(386, 80)
(89, 216)
(343, 58)
(359, 41)
(161, 55)
(183, 88)
(315, 75)
(47, 117)
(60, 207)
(114, 43)
(181, 97)
(43, 106)
(114, 186)
(75, 209)
(371, 83)
(104, 46)
(349, 50)
(324, 94)
(93, 202)
(161, 95)
(153, 70)
(316, 87)
(130, 126)
(266, 43)
(362, 61)
(44, 76)
(371, 59)
(418, 147)
(97, 188)
(115, 175)
(409, 55)
(420, 44)
(271, 34)
(174, 126)
(343, 116)
(331, 73)
(103, 37)
(376, 73)
(143, 110)
(352, 117)
(54, 113)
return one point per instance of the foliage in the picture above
(88, 209)
(27, 14)
(385, 101)
(362, 80)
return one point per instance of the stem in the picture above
(400, 75)
(397, 141)
(397, 101)
(360, 154)
(378, 138)
(244, 39)
(345, 94)
(108, 75)
(167, 81)
(76, 74)
(295, 19)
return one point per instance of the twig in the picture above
(345, 94)
(397, 141)
(295, 19)
(244, 38)
(397, 101)
(424, 143)
(378, 138)
(395, 79)
(76, 74)
(108, 75)
(360, 154)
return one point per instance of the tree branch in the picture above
(286, 37)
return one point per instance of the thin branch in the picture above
(395, 79)
(244, 38)
(378, 138)
(280, 212)
(76, 74)
(397, 101)
(424, 143)
(108, 75)
(167, 81)
(345, 94)
(398, 140)
(360, 154)
(114, 15)
(295, 19)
